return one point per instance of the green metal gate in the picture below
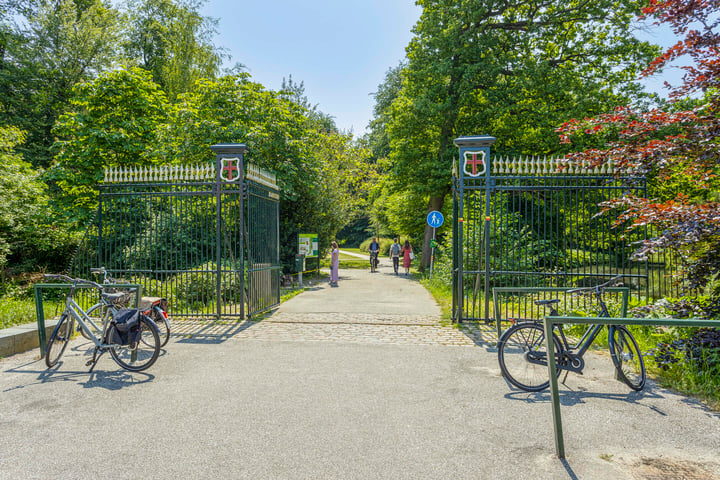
(523, 222)
(203, 236)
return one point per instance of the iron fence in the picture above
(525, 222)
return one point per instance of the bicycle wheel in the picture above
(523, 357)
(627, 358)
(143, 353)
(162, 322)
(59, 340)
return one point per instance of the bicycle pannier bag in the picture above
(125, 328)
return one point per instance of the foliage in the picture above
(29, 238)
(677, 147)
(515, 71)
(16, 311)
(172, 41)
(198, 287)
(60, 44)
(321, 175)
(111, 121)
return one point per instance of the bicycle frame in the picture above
(574, 353)
(77, 312)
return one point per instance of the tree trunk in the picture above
(435, 203)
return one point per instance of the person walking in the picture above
(395, 249)
(334, 264)
(408, 256)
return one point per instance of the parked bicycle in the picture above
(523, 356)
(131, 337)
(156, 310)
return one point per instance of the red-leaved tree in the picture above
(677, 148)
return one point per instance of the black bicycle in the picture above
(523, 356)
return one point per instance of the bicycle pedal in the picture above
(89, 362)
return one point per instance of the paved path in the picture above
(362, 381)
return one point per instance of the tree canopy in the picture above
(514, 70)
(676, 146)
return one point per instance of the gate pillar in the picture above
(474, 164)
(228, 176)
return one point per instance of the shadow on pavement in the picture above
(209, 331)
(570, 398)
(115, 379)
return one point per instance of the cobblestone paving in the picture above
(364, 328)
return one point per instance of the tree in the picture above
(676, 147)
(65, 42)
(319, 173)
(111, 121)
(173, 41)
(295, 92)
(28, 237)
(513, 70)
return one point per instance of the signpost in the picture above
(308, 248)
(435, 219)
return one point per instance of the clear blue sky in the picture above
(340, 49)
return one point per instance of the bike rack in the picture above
(550, 322)
(40, 311)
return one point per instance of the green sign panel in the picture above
(308, 244)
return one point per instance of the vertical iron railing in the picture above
(264, 267)
(527, 223)
(180, 232)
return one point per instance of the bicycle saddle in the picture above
(113, 297)
(547, 302)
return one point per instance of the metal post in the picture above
(40, 320)
(432, 253)
(554, 396)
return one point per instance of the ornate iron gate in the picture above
(184, 233)
(523, 222)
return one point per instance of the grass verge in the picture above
(14, 311)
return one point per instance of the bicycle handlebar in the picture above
(597, 288)
(74, 281)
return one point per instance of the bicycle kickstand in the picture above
(94, 359)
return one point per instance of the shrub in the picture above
(198, 286)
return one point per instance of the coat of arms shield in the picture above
(474, 163)
(230, 171)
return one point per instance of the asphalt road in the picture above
(356, 382)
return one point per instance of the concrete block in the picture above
(22, 338)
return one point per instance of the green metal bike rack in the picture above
(40, 311)
(550, 322)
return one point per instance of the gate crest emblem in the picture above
(474, 163)
(230, 171)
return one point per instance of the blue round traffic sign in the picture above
(435, 219)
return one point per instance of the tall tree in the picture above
(62, 44)
(514, 70)
(111, 121)
(173, 41)
(676, 147)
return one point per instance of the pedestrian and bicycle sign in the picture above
(435, 219)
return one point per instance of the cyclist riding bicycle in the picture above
(374, 249)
